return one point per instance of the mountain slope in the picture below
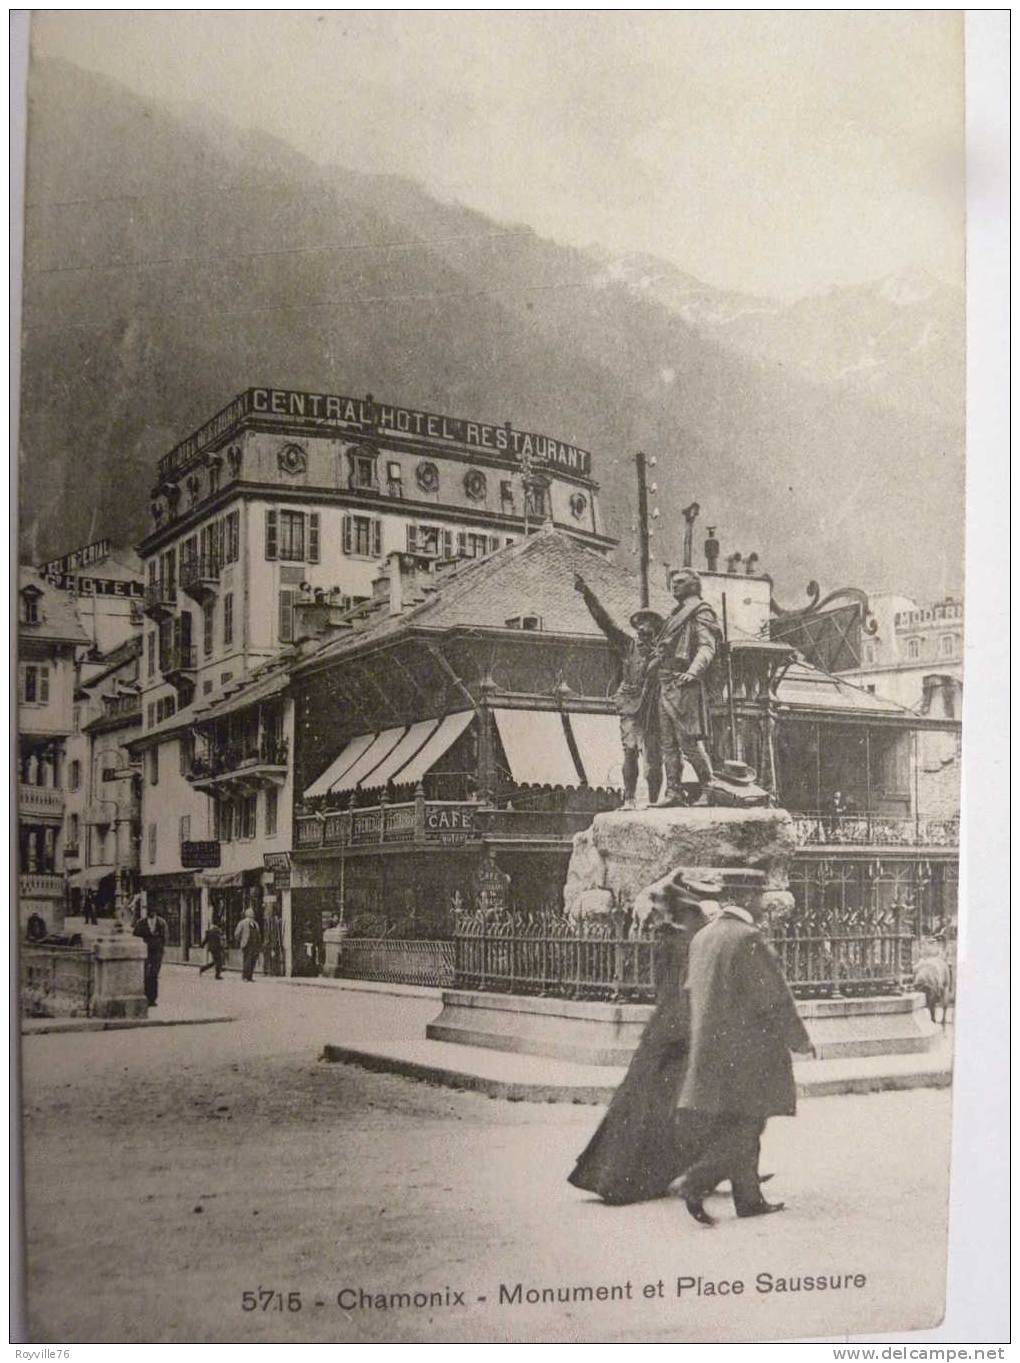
(172, 262)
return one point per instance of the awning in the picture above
(404, 751)
(450, 729)
(598, 742)
(350, 754)
(536, 748)
(363, 771)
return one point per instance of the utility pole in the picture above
(642, 497)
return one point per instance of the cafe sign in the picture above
(449, 824)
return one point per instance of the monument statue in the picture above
(636, 696)
(685, 650)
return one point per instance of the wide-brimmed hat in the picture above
(643, 615)
(739, 773)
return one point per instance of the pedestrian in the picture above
(686, 648)
(152, 930)
(90, 907)
(248, 937)
(640, 1145)
(636, 696)
(217, 949)
(744, 1024)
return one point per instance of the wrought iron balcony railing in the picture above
(160, 598)
(200, 575)
(874, 830)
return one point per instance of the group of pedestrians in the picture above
(152, 929)
(713, 1063)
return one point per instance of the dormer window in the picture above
(30, 605)
(529, 622)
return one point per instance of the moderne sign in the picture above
(332, 410)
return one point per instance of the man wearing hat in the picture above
(744, 1024)
(636, 696)
(687, 645)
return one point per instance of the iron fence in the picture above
(397, 961)
(56, 981)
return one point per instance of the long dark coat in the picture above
(744, 1024)
(642, 1143)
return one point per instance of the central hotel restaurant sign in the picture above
(332, 411)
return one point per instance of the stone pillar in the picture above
(119, 961)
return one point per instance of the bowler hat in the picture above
(643, 615)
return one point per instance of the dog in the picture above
(933, 976)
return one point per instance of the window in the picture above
(946, 645)
(476, 546)
(363, 464)
(395, 478)
(231, 537)
(506, 494)
(35, 684)
(214, 476)
(271, 810)
(289, 534)
(154, 765)
(228, 619)
(429, 540)
(166, 644)
(247, 811)
(151, 653)
(224, 820)
(208, 616)
(76, 719)
(74, 775)
(152, 844)
(363, 536)
(189, 554)
(287, 617)
(150, 715)
(73, 830)
(914, 648)
(186, 749)
(30, 606)
(168, 568)
(184, 828)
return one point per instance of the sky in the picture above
(765, 152)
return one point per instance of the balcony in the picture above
(121, 707)
(200, 577)
(241, 767)
(160, 599)
(874, 830)
(40, 885)
(180, 664)
(40, 802)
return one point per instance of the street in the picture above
(171, 1170)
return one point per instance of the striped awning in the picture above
(348, 756)
(597, 738)
(405, 750)
(450, 729)
(363, 770)
(536, 747)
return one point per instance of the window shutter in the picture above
(287, 617)
(461, 544)
(347, 535)
(271, 546)
(412, 539)
(313, 537)
(21, 683)
(376, 538)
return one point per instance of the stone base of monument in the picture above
(607, 1033)
(119, 964)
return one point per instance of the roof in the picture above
(58, 619)
(266, 681)
(532, 577)
(111, 661)
(809, 687)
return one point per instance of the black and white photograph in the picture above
(490, 522)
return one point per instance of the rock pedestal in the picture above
(624, 851)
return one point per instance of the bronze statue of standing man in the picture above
(636, 696)
(686, 647)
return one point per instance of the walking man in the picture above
(152, 930)
(217, 949)
(636, 696)
(744, 1024)
(687, 645)
(248, 937)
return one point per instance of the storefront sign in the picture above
(332, 410)
(491, 887)
(276, 861)
(97, 586)
(449, 824)
(200, 854)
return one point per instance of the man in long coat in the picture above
(686, 648)
(152, 929)
(744, 1024)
